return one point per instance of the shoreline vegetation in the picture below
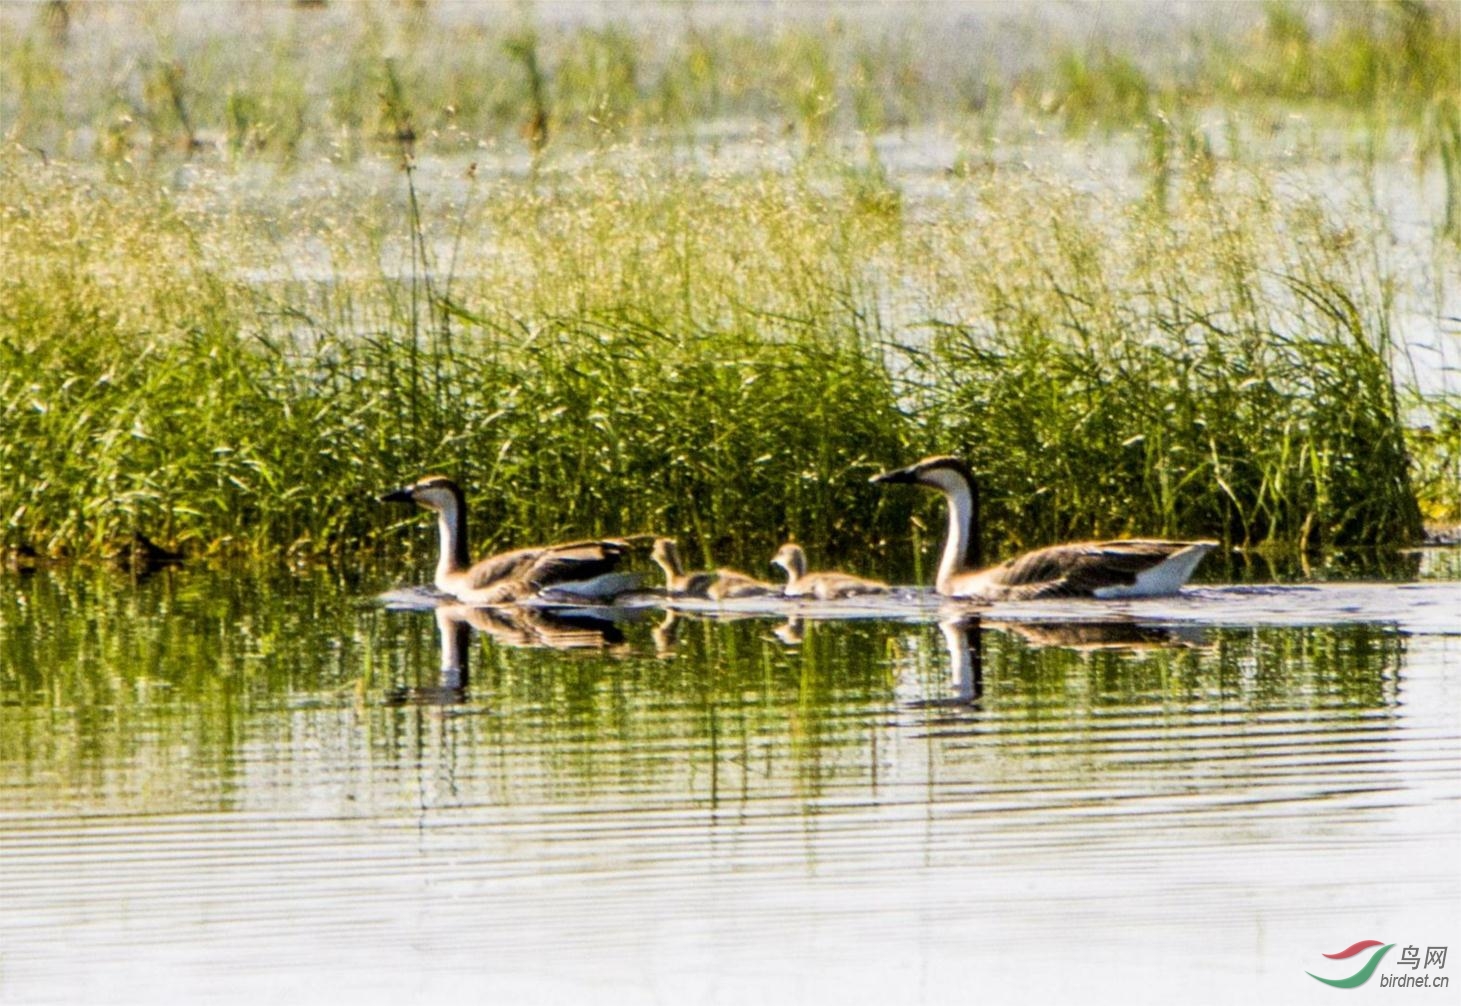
(246, 288)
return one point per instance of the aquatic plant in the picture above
(1182, 373)
(1436, 447)
(715, 356)
(1399, 53)
(224, 416)
(306, 85)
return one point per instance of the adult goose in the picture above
(715, 584)
(823, 586)
(1123, 568)
(578, 569)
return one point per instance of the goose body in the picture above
(1105, 569)
(580, 569)
(731, 584)
(823, 586)
(714, 584)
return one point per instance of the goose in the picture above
(1103, 569)
(577, 569)
(23, 559)
(715, 584)
(823, 586)
(666, 555)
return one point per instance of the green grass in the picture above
(226, 327)
(308, 84)
(334, 84)
(600, 379)
(632, 349)
(1436, 446)
(1186, 372)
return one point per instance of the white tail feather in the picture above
(1166, 577)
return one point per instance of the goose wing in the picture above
(547, 565)
(1079, 569)
(578, 560)
(729, 583)
(828, 586)
(699, 584)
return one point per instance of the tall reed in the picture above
(306, 85)
(1204, 371)
(724, 357)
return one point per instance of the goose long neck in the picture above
(961, 548)
(451, 523)
(668, 560)
(794, 561)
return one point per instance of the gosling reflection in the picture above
(792, 631)
(666, 635)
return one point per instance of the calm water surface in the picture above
(229, 787)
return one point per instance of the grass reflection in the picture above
(1251, 669)
(201, 690)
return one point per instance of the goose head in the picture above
(942, 471)
(434, 492)
(666, 555)
(952, 477)
(443, 496)
(792, 559)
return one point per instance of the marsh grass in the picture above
(1436, 447)
(604, 372)
(621, 338)
(310, 87)
(1368, 55)
(637, 349)
(1184, 373)
(307, 86)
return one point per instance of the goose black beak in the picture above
(399, 496)
(897, 475)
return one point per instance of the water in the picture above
(228, 787)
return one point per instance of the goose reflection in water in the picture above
(516, 626)
(792, 631)
(964, 639)
(1091, 637)
(666, 635)
(597, 629)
